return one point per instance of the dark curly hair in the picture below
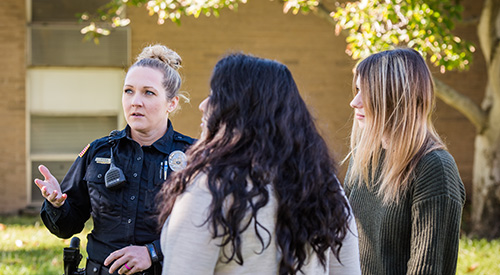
(259, 129)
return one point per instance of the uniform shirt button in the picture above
(132, 198)
(95, 269)
(139, 158)
(135, 175)
(99, 176)
(129, 221)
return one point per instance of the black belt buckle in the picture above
(93, 268)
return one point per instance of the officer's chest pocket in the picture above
(154, 187)
(106, 204)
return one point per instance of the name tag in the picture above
(103, 160)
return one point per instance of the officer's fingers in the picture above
(63, 198)
(113, 256)
(40, 184)
(109, 259)
(122, 269)
(140, 257)
(113, 267)
(43, 190)
(60, 201)
(52, 197)
(46, 172)
(117, 265)
(125, 270)
(132, 271)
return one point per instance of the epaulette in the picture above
(115, 135)
(183, 138)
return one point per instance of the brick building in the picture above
(59, 94)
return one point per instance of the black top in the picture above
(122, 217)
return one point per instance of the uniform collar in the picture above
(163, 144)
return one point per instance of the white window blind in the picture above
(67, 135)
(62, 10)
(63, 45)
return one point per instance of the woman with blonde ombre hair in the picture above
(404, 187)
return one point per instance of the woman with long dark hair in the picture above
(259, 194)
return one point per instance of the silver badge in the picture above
(177, 160)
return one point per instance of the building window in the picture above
(62, 45)
(55, 139)
(74, 87)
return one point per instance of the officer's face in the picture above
(145, 102)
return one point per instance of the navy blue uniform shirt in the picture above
(122, 217)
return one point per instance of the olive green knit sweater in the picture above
(420, 234)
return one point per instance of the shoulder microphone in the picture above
(114, 177)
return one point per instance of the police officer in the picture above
(116, 178)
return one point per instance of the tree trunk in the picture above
(486, 173)
(486, 179)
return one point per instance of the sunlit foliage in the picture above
(112, 14)
(427, 26)
(369, 25)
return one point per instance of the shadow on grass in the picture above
(20, 220)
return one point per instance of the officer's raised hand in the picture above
(50, 188)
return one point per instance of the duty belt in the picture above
(94, 268)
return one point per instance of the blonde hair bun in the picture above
(162, 53)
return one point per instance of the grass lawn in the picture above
(27, 247)
(479, 257)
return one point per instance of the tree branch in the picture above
(468, 22)
(450, 96)
(323, 12)
(462, 103)
(486, 29)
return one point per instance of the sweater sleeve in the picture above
(437, 202)
(349, 254)
(186, 241)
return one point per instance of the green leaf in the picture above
(425, 25)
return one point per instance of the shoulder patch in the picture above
(84, 150)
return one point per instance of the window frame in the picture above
(64, 157)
